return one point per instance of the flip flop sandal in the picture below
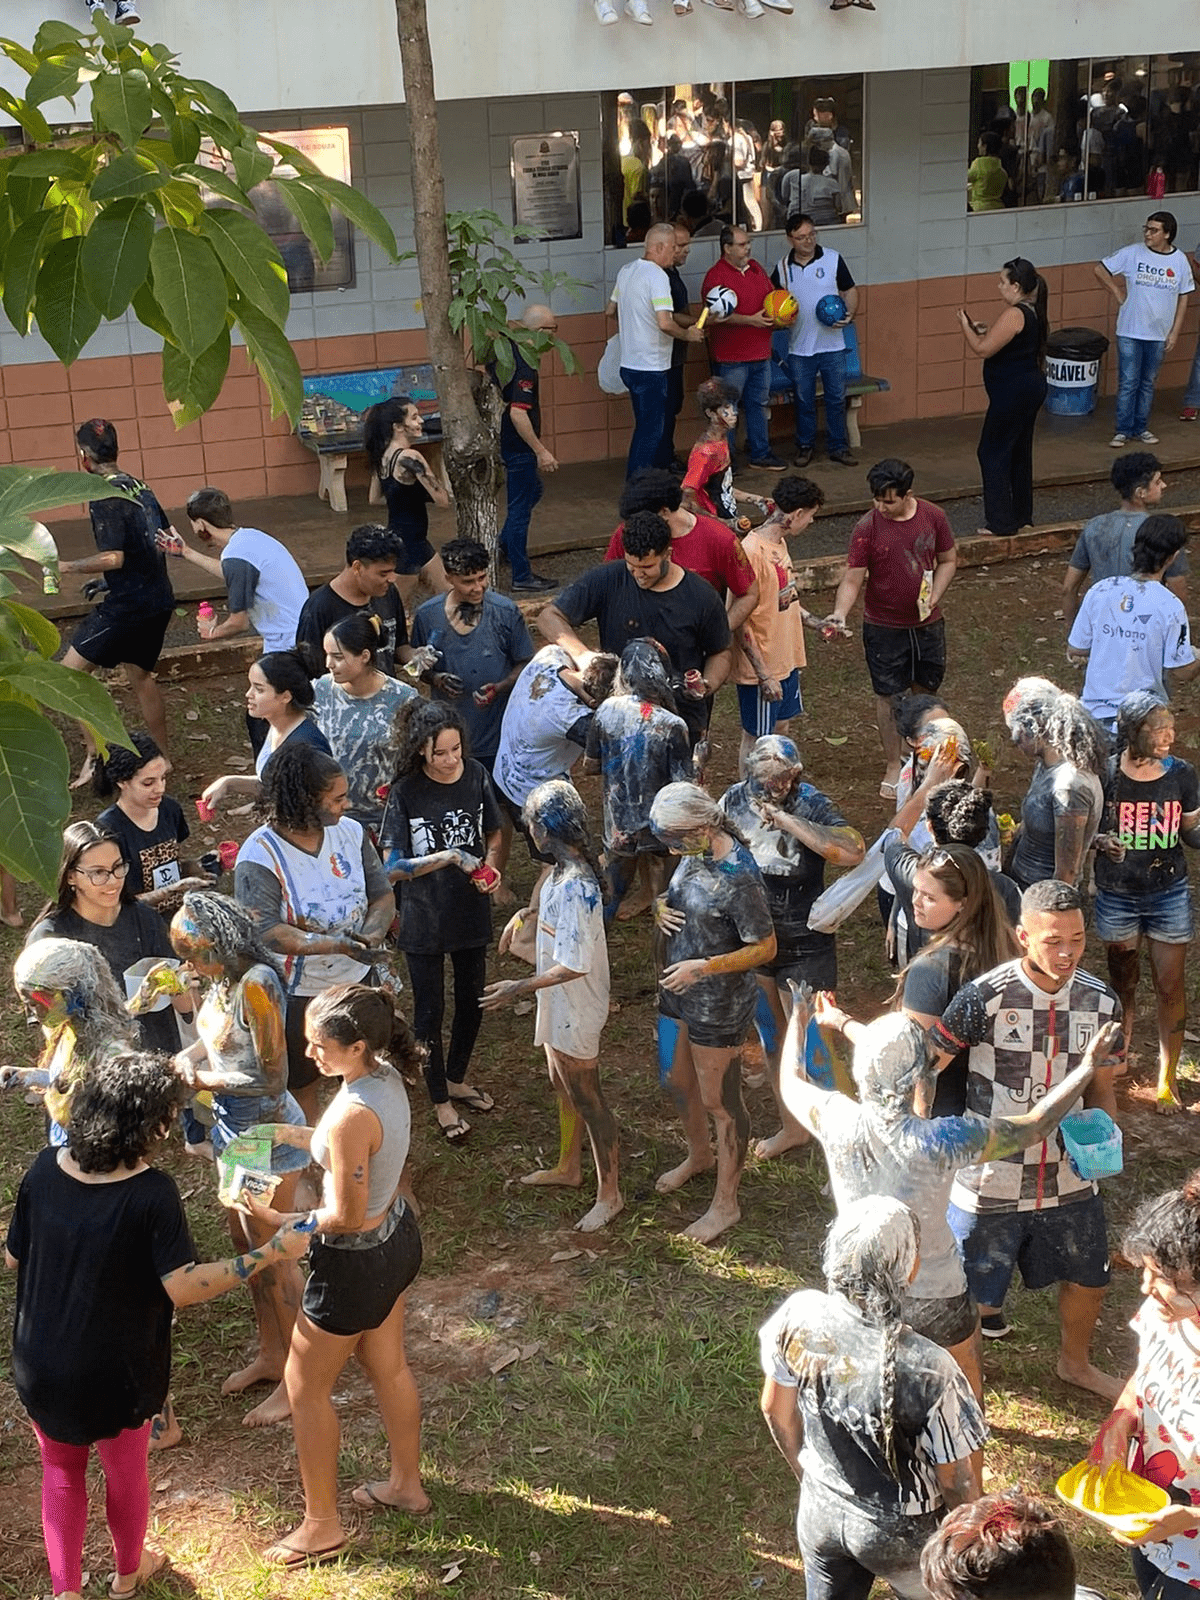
(887, 791)
(455, 1132)
(289, 1557)
(477, 1100)
(366, 1499)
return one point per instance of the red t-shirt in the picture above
(751, 287)
(710, 477)
(710, 550)
(897, 555)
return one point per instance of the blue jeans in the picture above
(524, 485)
(1138, 361)
(648, 393)
(1192, 394)
(831, 364)
(751, 380)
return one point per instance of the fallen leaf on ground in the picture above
(842, 738)
(513, 1356)
(454, 1570)
(191, 716)
(528, 1351)
(565, 1255)
(241, 811)
(540, 1450)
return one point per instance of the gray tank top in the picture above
(382, 1092)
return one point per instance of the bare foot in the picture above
(712, 1224)
(778, 1143)
(152, 1561)
(1091, 1378)
(678, 1176)
(382, 1497)
(259, 1371)
(275, 1408)
(1166, 1102)
(600, 1215)
(164, 1429)
(558, 1177)
(13, 919)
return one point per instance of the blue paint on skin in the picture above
(954, 1141)
(818, 1063)
(766, 1024)
(668, 1039)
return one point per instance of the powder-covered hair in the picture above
(123, 1107)
(350, 1012)
(558, 807)
(80, 973)
(1050, 717)
(226, 927)
(643, 673)
(1132, 714)
(870, 1253)
(774, 753)
(121, 764)
(680, 807)
(958, 813)
(1167, 1229)
(1005, 1546)
(891, 1057)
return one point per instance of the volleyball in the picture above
(781, 307)
(721, 301)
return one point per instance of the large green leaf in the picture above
(193, 386)
(216, 179)
(30, 118)
(48, 164)
(312, 213)
(274, 358)
(116, 254)
(55, 79)
(22, 263)
(125, 176)
(34, 799)
(26, 491)
(121, 101)
(52, 35)
(185, 138)
(366, 217)
(72, 694)
(148, 312)
(24, 58)
(65, 313)
(35, 626)
(250, 258)
(251, 164)
(189, 285)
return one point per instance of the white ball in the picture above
(721, 301)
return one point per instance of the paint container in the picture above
(1093, 1143)
(1119, 1499)
(485, 877)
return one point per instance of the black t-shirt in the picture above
(91, 1353)
(901, 859)
(442, 910)
(521, 390)
(725, 907)
(1147, 818)
(793, 874)
(141, 583)
(138, 932)
(152, 854)
(689, 621)
(929, 986)
(325, 607)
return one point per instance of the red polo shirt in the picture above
(751, 287)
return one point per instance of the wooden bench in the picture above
(858, 382)
(331, 419)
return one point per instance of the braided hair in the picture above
(80, 973)
(226, 927)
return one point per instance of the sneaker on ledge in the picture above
(1117, 442)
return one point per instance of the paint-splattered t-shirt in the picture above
(794, 874)
(362, 736)
(899, 556)
(1167, 1384)
(641, 748)
(1023, 1042)
(1058, 791)
(825, 1349)
(570, 933)
(1147, 818)
(544, 729)
(724, 904)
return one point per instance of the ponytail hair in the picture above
(1030, 282)
(350, 1012)
(359, 633)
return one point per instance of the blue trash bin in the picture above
(1073, 358)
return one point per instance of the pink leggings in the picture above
(65, 1502)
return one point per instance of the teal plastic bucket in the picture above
(1093, 1142)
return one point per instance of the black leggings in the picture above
(1006, 451)
(427, 975)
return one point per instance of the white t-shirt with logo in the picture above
(1163, 1447)
(1135, 630)
(1153, 284)
(641, 291)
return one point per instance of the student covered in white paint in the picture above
(571, 985)
(878, 1424)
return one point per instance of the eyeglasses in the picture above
(98, 876)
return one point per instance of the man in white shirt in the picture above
(1150, 283)
(646, 325)
(1132, 632)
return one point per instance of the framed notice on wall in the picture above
(545, 186)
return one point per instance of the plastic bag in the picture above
(843, 897)
(608, 373)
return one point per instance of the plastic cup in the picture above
(485, 876)
(204, 811)
(227, 853)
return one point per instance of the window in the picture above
(1044, 132)
(750, 153)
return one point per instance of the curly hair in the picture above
(378, 424)
(1167, 1229)
(464, 557)
(121, 764)
(1132, 716)
(653, 489)
(958, 813)
(1004, 1546)
(418, 722)
(714, 393)
(557, 807)
(123, 1107)
(293, 781)
(349, 1012)
(1052, 719)
(226, 927)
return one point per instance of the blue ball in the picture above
(831, 308)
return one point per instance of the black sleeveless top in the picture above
(1020, 355)
(406, 503)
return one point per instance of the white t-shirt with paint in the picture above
(1167, 1384)
(263, 579)
(641, 291)
(570, 933)
(1135, 630)
(541, 711)
(1153, 283)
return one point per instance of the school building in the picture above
(540, 108)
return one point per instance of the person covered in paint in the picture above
(1152, 803)
(878, 1423)
(792, 830)
(1027, 1024)
(717, 923)
(241, 1056)
(638, 744)
(708, 482)
(571, 985)
(1061, 812)
(1153, 1426)
(885, 1144)
(1004, 1546)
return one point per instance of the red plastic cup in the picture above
(485, 876)
(204, 811)
(227, 853)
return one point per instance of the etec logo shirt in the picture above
(1153, 282)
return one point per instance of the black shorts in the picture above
(811, 960)
(945, 1322)
(725, 1034)
(120, 638)
(414, 554)
(513, 811)
(302, 1069)
(353, 1291)
(898, 658)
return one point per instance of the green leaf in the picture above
(121, 101)
(54, 80)
(189, 285)
(53, 35)
(48, 164)
(289, 156)
(27, 491)
(22, 263)
(40, 629)
(252, 165)
(116, 255)
(73, 694)
(65, 313)
(25, 59)
(217, 180)
(275, 359)
(126, 176)
(193, 386)
(251, 259)
(30, 118)
(34, 799)
(312, 213)
(185, 139)
(215, 99)
(150, 314)
(366, 217)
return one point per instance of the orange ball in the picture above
(781, 307)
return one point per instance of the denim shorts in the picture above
(759, 716)
(1162, 914)
(1066, 1244)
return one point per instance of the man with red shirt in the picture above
(740, 344)
(904, 552)
(701, 544)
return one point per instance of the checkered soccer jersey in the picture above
(1023, 1042)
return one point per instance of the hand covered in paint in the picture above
(1112, 1442)
(666, 918)
(447, 683)
(828, 1013)
(1164, 1524)
(681, 975)
(1077, 658)
(462, 860)
(943, 764)
(11, 1077)
(184, 1069)
(294, 1238)
(833, 627)
(1110, 844)
(1106, 1048)
(500, 993)
(770, 689)
(787, 596)
(512, 928)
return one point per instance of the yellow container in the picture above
(1117, 1498)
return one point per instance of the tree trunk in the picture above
(470, 406)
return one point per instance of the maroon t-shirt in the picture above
(710, 550)
(897, 555)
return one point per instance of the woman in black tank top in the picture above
(391, 431)
(1012, 349)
